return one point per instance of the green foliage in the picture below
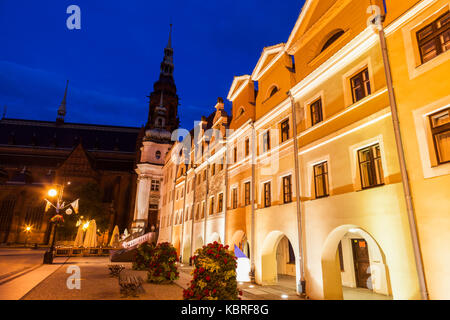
(90, 207)
(144, 253)
(162, 266)
(214, 276)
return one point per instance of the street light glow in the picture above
(28, 229)
(52, 192)
(85, 226)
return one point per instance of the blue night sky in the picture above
(113, 61)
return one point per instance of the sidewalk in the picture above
(21, 285)
(97, 284)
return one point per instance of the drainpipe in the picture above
(173, 202)
(225, 196)
(403, 170)
(252, 235)
(182, 216)
(206, 199)
(302, 285)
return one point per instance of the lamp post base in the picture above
(48, 257)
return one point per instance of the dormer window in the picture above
(336, 35)
(273, 91)
(241, 112)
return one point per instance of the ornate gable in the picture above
(77, 164)
(269, 56)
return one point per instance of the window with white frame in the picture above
(370, 166)
(440, 130)
(434, 39)
(220, 203)
(267, 195)
(234, 198)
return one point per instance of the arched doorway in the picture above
(278, 261)
(354, 266)
(240, 240)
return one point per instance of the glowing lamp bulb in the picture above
(52, 192)
(28, 229)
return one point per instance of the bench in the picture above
(130, 285)
(115, 269)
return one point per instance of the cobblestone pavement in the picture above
(97, 284)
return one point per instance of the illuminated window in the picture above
(247, 193)
(440, 129)
(434, 39)
(287, 189)
(316, 112)
(267, 197)
(321, 180)
(360, 84)
(220, 203)
(247, 147)
(155, 185)
(370, 167)
(285, 130)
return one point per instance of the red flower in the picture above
(214, 291)
(225, 260)
(206, 292)
(208, 278)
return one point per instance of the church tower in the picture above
(163, 105)
(162, 121)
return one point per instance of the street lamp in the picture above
(27, 234)
(59, 206)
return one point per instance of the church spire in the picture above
(169, 44)
(167, 64)
(62, 107)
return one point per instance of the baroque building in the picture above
(332, 172)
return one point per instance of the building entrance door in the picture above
(361, 262)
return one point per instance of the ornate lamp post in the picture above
(58, 217)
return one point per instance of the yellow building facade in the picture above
(306, 175)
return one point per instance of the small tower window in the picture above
(158, 155)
